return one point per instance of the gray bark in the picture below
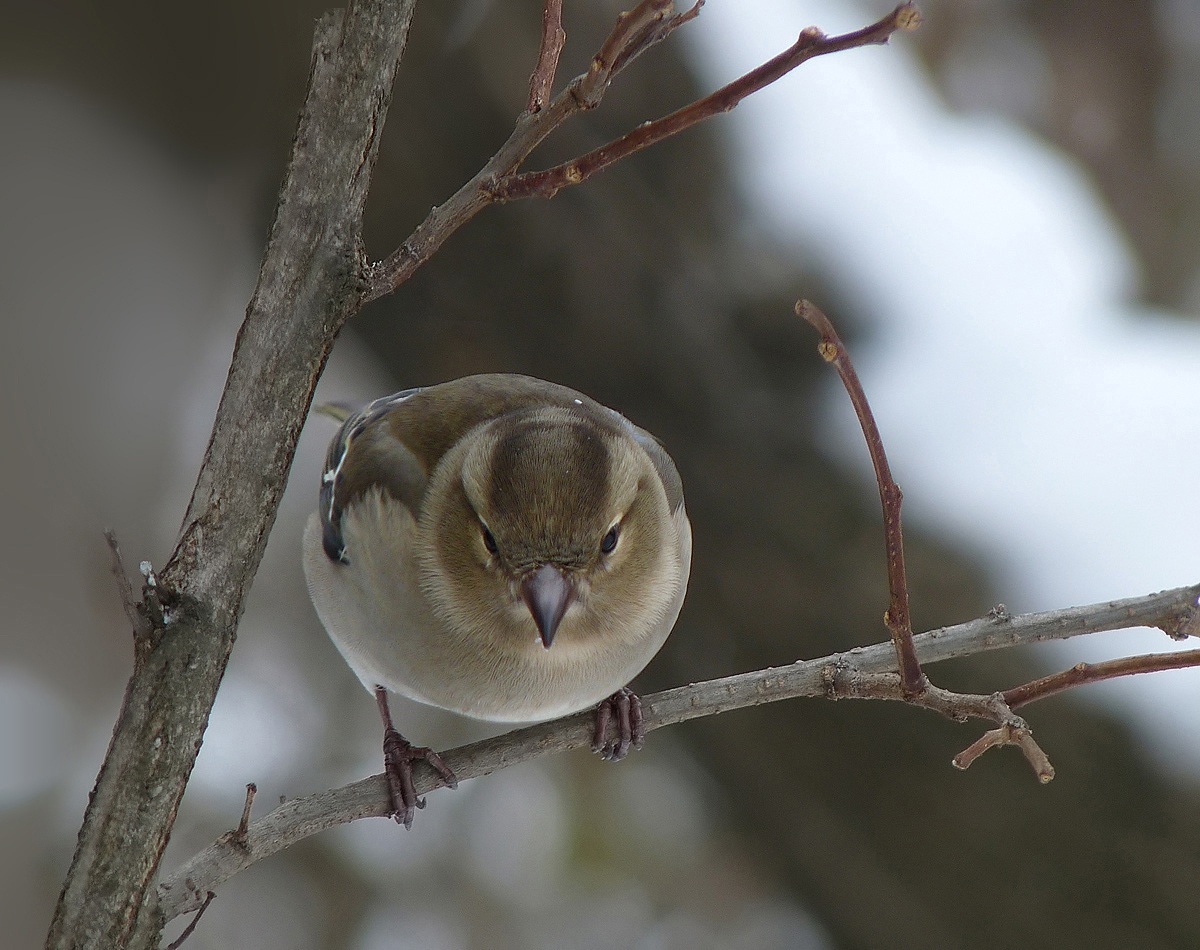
(308, 285)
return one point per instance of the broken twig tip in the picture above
(908, 17)
(244, 824)
(1008, 734)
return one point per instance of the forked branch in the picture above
(911, 685)
(812, 43)
(848, 682)
(636, 31)
(844, 682)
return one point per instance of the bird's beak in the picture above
(547, 593)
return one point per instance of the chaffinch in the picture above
(498, 546)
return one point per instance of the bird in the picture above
(502, 547)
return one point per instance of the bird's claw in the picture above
(398, 757)
(625, 707)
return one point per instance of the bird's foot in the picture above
(398, 757)
(625, 707)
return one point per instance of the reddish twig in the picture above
(1082, 673)
(237, 837)
(640, 36)
(843, 681)
(911, 685)
(1008, 734)
(897, 617)
(541, 83)
(187, 931)
(812, 43)
(635, 32)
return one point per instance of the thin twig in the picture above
(124, 588)
(636, 31)
(187, 931)
(627, 35)
(1008, 734)
(541, 83)
(299, 818)
(812, 43)
(239, 833)
(1082, 673)
(143, 629)
(653, 31)
(843, 682)
(897, 617)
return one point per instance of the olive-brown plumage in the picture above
(499, 546)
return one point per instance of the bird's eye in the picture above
(610, 540)
(489, 541)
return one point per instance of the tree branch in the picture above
(1008, 734)
(898, 618)
(192, 924)
(143, 628)
(308, 286)
(634, 32)
(812, 43)
(911, 686)
(843, 682)
(648, 23)
(299, 818)
(1082, 673)
(541, 83)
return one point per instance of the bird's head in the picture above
(557, 523)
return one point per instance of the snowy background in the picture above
(1028, 405)
(1032, 412)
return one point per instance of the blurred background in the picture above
(1000, 212)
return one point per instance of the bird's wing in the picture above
(380, 458)
(663, 463)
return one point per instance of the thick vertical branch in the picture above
(308, 285)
